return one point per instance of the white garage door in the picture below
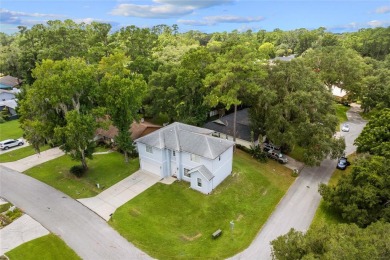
(151, 166)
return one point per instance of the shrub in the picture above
(243, 148)
(2, 120)
(295, 173)
(77, 170)
(258, 153)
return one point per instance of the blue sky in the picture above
(203, 15)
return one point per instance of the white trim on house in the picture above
(187, 153)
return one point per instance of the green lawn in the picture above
(46, 247)
(297, 153)
(20, 153)
(105, 169)
(176, 222)
(341, 112)
(325, 215)
(10, 130)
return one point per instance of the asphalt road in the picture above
(84, 231)
(297, 208)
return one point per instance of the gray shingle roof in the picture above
(204, 171)
(225, 125)
(191, 139)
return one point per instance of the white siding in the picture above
(187, 163)
(151, 162)
(222, 168)
(206, 185)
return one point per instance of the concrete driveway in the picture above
(105, 203)
(20, 231)
(34, 160)
(84, 231)
(297, 208)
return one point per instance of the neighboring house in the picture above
(223, 128)
(9, 82)
(284, 58)
(188, 153)
(8, 94)
(338, 92)
(11, 106)
(137, 130)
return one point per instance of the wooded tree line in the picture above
(75, 73)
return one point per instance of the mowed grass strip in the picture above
(10, 130)
(176, 222)
(105, 169)
(46, 247)
(20, 153)
(325, 215)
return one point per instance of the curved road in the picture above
(297, 208)
(84, 231)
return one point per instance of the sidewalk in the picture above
(34, 160)
(20, 231)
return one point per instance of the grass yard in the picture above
(176, 222)
(105, 169)
(325, 215)
(46, 247)
(341, 112)
(297, 153)
(10, 130)
(20, 153)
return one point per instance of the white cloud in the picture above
(151, 11)
(12, 17)
(353, 26)
(165, 8)
(376, 23)
(194, 3)
(383, 10)
(213, 20)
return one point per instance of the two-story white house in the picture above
(188, 153)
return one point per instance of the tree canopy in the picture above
(375, 137)
(343, 241)
(363, 196)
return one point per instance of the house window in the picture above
(219, 158)
(195, 158)
(199, 182)
(186, 173)
(149, 149)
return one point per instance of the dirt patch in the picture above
(187, 238)
(239, 217)
(264, 192)
(134, 212)
(235, 174)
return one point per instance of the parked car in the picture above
(345, 128)
(343, 163)
(6, 144)
(270, 146)
(277, 155)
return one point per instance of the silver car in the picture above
(345, 128)
(6, 144)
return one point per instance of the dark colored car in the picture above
(343, 163)
(270, 146)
